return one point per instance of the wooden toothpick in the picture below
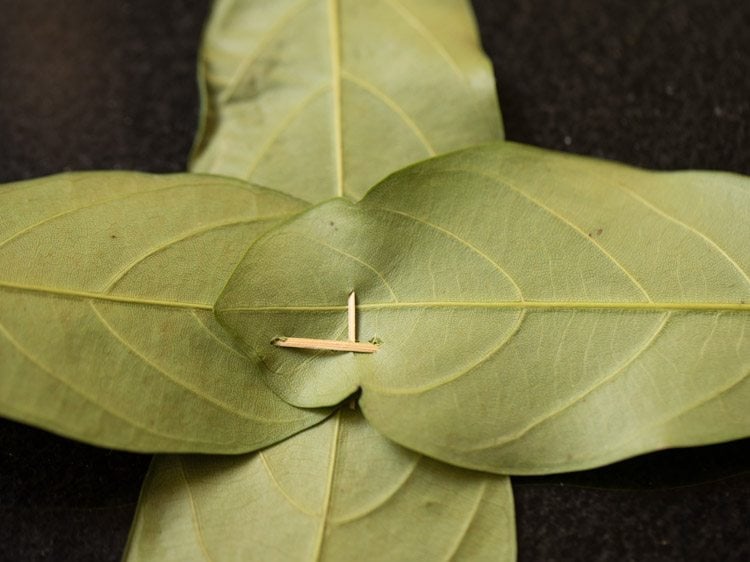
(334, 345)
(351, 311)
(328, 345)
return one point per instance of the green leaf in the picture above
(539, 312)
(338, 491)
(319, 98)
(107, 333)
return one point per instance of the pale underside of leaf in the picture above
(106, 326)
(538, 312)
(338, 491)
(320, 98)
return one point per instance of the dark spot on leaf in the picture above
(113, 236)
(432, 506)
(595, 233)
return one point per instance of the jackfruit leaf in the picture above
(107, 333)
(539, 312)
(338, 491)
(319, 98)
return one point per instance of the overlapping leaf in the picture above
(338, 491)
(107, 333)
(538, 312)
(320, 98)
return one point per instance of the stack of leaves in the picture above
(521, 327)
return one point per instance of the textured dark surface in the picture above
(659, 84)
(97, 85)
(89, 84)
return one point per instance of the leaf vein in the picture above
(394, 106)
(181, 238)
(175, 380)
(686, 410)
(564, 221)
(329, 487)
(270, 35)
(511, 305)
(426, 34)
(505, 440)
(194, 511)
(85, 295)
(98, 203)
(401, 391)
(460, 240)
(216, 338)
(299, 507)
(368, 510)
(283, 126)
(625, 189)
(93, 401)
(469, 520)
(362, 263)
(338, 137)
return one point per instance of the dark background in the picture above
(94, 84)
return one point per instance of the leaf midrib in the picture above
(334, 26)
(510, 305)
(324, 518)
(87, 295)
